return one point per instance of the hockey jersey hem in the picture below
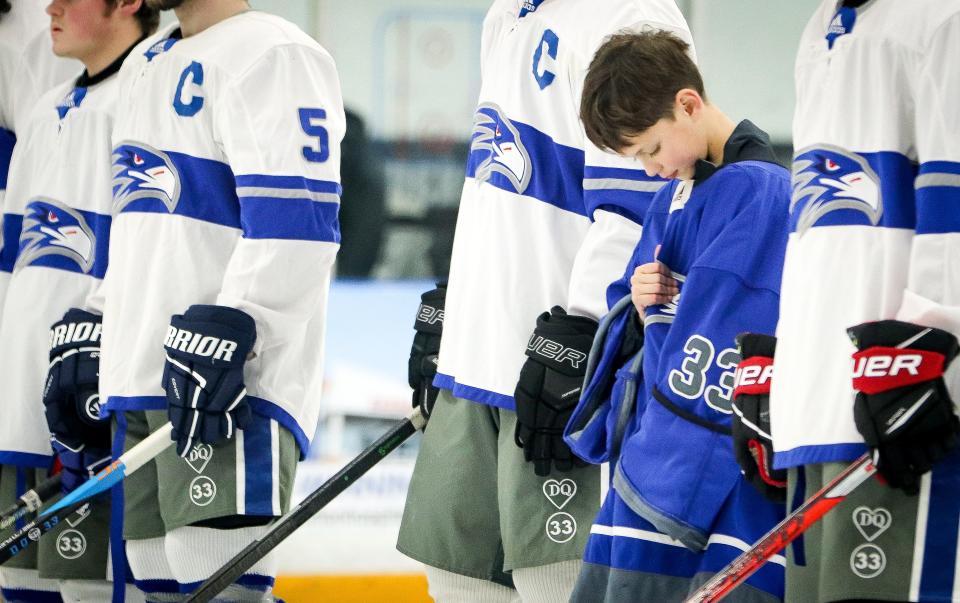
(25, 459)
(689, 536)
(817, 454)
(262, 407)
(474, 394)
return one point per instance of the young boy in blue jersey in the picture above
(706, 269)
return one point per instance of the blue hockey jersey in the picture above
(724, 240)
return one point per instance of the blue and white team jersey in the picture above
(56, 216)
(545, 217)
(679, 509)
(875, 214)
(28, 68)
(226, 188)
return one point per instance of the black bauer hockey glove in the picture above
(549, 388)
(203, 376)
(752, 443)
(903, 410)
(71, 396)
(422, 366)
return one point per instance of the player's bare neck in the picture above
(197, 15)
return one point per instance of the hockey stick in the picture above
(310, 506)
(128, 462)
(786, 531)
(31, 501)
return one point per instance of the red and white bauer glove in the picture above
(902, 409)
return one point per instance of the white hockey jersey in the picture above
(545, 217)
(28, 68)
(226, 191)
(875, 213)
(58, 210)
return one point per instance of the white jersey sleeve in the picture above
(932, 296)
(280, 125)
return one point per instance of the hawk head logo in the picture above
(142, 172)
(52, 228)
(827, 178)
(503, 152)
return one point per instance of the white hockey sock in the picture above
(93, 591)
(196, 553)
(151, 572)
(24, 584)
(448, 587)
(547, 583)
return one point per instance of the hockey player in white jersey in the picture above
(28, 67)
(871, 272)
(226, 192)
(58, 211)
(546, 221)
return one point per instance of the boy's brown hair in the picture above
(148, 18)
(631, 84)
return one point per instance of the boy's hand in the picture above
(652, 284)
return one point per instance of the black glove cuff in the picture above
(430, 313)
(562, 342)
(894, 333)
(756, 344)
(77, 329)
(216, 336)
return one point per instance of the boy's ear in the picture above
(689, 101)
(129, 7)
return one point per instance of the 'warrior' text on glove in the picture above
(203, 376)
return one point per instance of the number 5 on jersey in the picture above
(308, 123)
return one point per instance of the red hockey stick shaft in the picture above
(785, 532)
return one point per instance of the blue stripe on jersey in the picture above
(7, 140)
(158, 586)
(291, 219)
(943, 521)
(127, 403)
(25, 459)
(12, 225)
(40, 249)
(621, 191)
(817, 453)
(206, 190)
(475, 394)
(259, 406)
(258, 467)
(518, 158)
(835, 187)
(938, 197)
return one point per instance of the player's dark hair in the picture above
(631, 84)
(4, 6)
(148, 18)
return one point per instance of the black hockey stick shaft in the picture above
(31, 501)
(24, 538)
(310, 506)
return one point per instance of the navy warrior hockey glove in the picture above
(752, 443)
(203, 376)
(422, 366)
(549, 388)
(902, 409)
(71, 397)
